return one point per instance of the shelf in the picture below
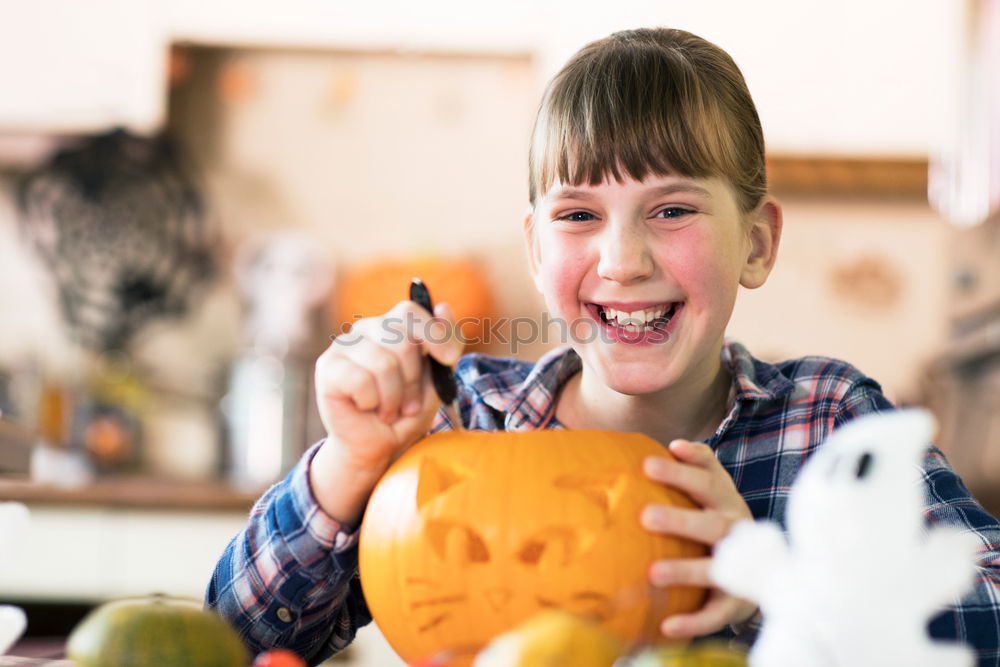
(133, 493)
(899, 177)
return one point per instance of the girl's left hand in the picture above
(699, 474)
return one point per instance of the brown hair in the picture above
(656, 100)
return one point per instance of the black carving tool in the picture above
(442, 375)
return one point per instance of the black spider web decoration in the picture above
(121, 226)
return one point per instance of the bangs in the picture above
(630, 108)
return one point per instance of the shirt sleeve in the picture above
(975, 619)
(290, 578)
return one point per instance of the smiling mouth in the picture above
(646, 319)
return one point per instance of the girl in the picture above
(649, 208)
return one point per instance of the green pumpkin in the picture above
(708, 653)
(155, 631)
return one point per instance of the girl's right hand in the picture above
(376, 398)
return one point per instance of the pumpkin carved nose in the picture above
(498, 597)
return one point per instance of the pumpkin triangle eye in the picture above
(456, 543)
(604, 491)
(554, 547)
(436, 477)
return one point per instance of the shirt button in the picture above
(284, 615)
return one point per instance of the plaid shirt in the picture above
(290, 579)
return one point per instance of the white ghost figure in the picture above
(859, 577)
(13, 622)
(13, 525)
(284, 276)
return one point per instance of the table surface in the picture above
(37, 651)
(133, 492)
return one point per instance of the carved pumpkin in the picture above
(374, 289)
(471, 533)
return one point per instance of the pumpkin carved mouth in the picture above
(588, 604)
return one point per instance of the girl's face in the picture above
(644, 274)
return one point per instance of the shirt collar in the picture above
(530, 403)
(753, 379)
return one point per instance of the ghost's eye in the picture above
(864, 465)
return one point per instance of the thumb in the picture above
(448, 351)
(443, 309)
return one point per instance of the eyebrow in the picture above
(669, 189)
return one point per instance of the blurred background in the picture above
(194, 196)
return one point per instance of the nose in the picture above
(625, 254)
(498, 597)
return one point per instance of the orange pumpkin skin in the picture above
(374, 289)
(468, 534)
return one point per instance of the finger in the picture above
(694, 453)
(712, 617)
(345, 341)
(385, 368)
(440, 336)
(444, 311)
(419, 422)
(701, 525)
(430, 403)
(396, 331)
(393, 327)
(409, 322)
(698, 483)
(412, 399)
(681, 572)
(339, 379)
(410, 356)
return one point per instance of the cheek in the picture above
(704, 265)
(561, 273)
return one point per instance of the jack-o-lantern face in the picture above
(470, 533)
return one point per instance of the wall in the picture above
(898, 250)
(849, 77)
(67, 66)
(374, 155)
(384, 154)
(358, 138)
(375, 150)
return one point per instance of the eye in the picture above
(673, 212)
(552, 548)
(864, 465)
(456, 543)
(576, 216)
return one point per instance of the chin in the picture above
(636, 386)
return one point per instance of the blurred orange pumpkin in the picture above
(375, 288)
(471, 533)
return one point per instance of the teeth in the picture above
(636, 319)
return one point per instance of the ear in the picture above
(763, 237)
(531, 243)
(604, 491)
(436, 477)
